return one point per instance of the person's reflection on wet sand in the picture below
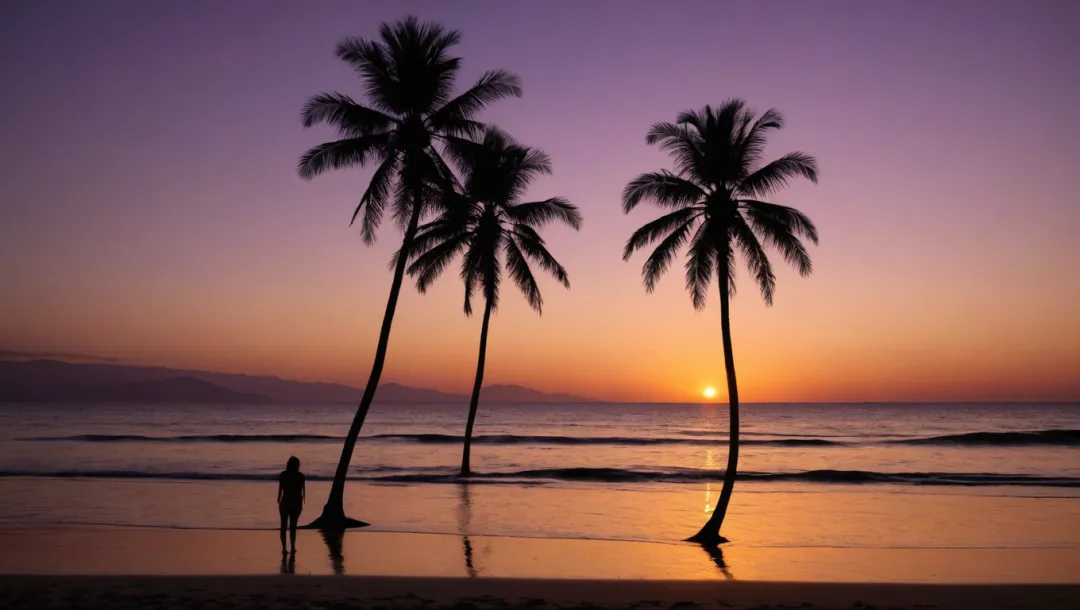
(288, 564)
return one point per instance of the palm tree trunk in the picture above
(710, 532)
(333, 515)
(474, 402)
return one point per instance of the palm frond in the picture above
(523, 276)
(662, 188)
(443, 180)
(418, 56)
(476, 270)
(660, 259)
(468, 277)
(729, 252)
(539, 213)
(756, 259)
(408, 192)
(371, 62)
(455, 116)
(351, 119)
(778, 235)
(429, 265)
(375, 197)
(683, 145)
(408, 70)
(700, 261)
(421, 182)
(349, 152)
(527, 163)
(698, 119)
(437, 231)
(795, 221)
(777, 174)
(654, 230)
(753, 141)
(533, 246)
(722, 147)
(463, 152)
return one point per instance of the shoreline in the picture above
(283, 591)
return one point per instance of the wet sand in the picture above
(280, 592)
(129, 568)
(87, 550)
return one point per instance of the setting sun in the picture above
(709, 392)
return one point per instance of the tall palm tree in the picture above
(408, 77)
(713, 204)
(491, 227)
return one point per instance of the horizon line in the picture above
(7, 355)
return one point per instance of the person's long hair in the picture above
(293, 465)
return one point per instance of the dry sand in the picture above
(274, 592)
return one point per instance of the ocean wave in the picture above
(599, 475)
(436, 439)
(193, 438)
(619, 475)
(1042, 437)
(690, 437)
(515, 439)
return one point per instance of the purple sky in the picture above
(150, 208)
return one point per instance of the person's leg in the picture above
(292, 529)
(284, 523)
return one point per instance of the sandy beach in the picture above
(273, 592)
(127, 551)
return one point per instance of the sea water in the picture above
(810, 475)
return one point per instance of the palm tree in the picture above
(408, 79)
(487, 223)
(714, 207)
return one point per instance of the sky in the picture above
(150, 209)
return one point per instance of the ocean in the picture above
(966, 476)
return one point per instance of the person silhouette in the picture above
(290, 496)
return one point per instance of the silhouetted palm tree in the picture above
(487, 223)
(714, 208)
(408, 80)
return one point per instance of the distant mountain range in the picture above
(43, 380)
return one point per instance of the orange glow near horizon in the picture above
(192, 242)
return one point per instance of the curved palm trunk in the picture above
(474, 402)
(710, 532)
(333, 515)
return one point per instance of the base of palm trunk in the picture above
(333, 519)
(708, 536)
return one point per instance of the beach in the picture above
(281, 592)
(76, 550)
(895, 507)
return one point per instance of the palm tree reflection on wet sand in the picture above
(464, 516)
(333, 540)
